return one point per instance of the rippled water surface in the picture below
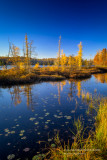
(31, 115)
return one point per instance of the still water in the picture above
(11, 66)
(31, 115)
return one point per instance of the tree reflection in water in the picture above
(75, 86)
(17, 92)
(101, 77)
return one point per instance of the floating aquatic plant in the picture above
(68, 117)
(26, 149)
(11, 156)
(36, 123)
(17, 125)
(22, 131)
(6, 130)
(12, 132)
(49, 140)
(32, 119)
(23, 137)
(46, 114)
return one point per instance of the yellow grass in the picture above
(92, 148)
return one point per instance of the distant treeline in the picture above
(44, 61)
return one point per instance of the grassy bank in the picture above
(92, 148)
(50, 73)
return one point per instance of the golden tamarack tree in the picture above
(72, 62)
(80, 55)
(27, 55)
(63, 60)
(15, 52)
(16, 60)
(27, 51)
(101, 58)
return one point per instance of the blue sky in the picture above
(45, 20)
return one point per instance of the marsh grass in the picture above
(101, 125)
(94, 147)
(32, 74)
(86, 96)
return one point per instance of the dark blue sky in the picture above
(45, 20)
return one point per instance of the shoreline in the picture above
(20, 77)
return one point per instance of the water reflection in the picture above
(0, 92)
(56, 104)
(101, 77)
(15, 95)
(60, 86)
(74, 87)
(18, 91)
(72, 90)
(79, 89)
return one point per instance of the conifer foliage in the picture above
(80, 55)
(101, 58)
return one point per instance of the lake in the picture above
(31, 115)
(10, 66)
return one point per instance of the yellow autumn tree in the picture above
(27, 57)
(80, 55)
(65, 59)
(36, 66)
(71, 62)
(61, 60)
(15, 56)
(57, 61)
(101, 58)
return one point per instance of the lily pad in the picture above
(36, 123)
(11, 156)
(68, 117)
(23, 137)
(22, 131)
(12, 132)
(26, 149)
(32, 119)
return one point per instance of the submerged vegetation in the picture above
(92, 147)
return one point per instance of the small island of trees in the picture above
(62, 67)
